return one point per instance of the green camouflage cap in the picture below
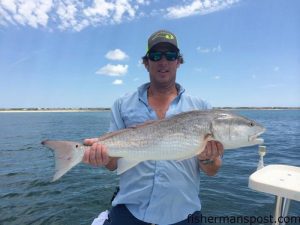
(162, 36)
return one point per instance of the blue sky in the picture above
(87, 53)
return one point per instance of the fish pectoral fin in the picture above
(207, 137)
(126, 164)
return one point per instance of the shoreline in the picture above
(52, 110)
(25, 110)
(257, 108)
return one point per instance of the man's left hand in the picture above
(210, 159)
(213, 150)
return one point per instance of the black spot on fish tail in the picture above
(44, 142)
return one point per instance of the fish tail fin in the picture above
(67, 155)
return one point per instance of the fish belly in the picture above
(175, 147)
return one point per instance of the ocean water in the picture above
(26, 167)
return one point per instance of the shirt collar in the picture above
(142, 92)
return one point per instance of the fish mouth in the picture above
(256, 139)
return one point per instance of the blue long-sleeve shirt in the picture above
(160, 192)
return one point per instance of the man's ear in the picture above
(146, 66)
(178, 63)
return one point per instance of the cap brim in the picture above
(165, 43)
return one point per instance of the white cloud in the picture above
(122, 7)
(99, 8)
(270, 86)
(77, 15)
(118, 82)
(67, 15)
(113, 70)
(21, 60)
(203, 50)
(199, 70)
(209, 50)
(9, 5)
(217, 49)
(198, 7)
(184, 11)
(216, 77)
(5, 18)
(32, 13)
(116, 54)
(206, 3)
(143, 2)
(140, 63)
(81, 25)
(109, 12)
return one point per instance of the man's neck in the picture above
(162, 91)
(160, 98)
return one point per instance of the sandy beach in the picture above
(50, 110)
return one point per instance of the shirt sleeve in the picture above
(116, 121)
(200, 104)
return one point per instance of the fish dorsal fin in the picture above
(111, 134)
(145, 124)
(114, 133)
(126, 164)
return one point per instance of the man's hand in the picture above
(213, 150)
(211, 154)
(97, 155)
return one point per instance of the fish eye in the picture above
(251, 124)
(76, 146)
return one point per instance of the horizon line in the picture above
(108, 108)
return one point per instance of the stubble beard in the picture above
(163, 83)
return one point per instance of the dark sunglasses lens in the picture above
(155, 56)
(171, 56)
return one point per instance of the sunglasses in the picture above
(156, 56)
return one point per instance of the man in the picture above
(157, 192)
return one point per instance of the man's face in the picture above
(163, 71)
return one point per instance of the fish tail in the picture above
(67, 155)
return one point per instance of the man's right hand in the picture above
(97, 154)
